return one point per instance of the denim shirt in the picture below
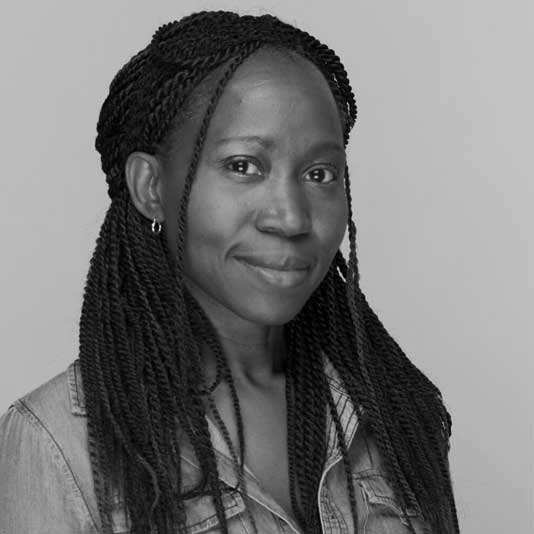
(46, 484)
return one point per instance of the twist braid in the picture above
(141, 331)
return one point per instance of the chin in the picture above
(270, 312)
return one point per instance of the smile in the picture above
(277, 277)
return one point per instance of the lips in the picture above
(289, 263)
(288, 272)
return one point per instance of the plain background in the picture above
(442, 169)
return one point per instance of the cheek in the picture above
(172, 194)
(212, 219)
(331, 224)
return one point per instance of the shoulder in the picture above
(63, 393)
(54, 411)
(44, 434)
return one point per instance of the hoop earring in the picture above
(156, 226)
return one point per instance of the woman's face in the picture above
(267, 209)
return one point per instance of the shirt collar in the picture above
(76, 395)
(348, 416)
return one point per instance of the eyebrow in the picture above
(265, 142)
(268, 143)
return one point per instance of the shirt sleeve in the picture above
(38, 491)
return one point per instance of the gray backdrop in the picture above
(441, 159)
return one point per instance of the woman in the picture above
(231, 375)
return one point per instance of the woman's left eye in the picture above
(244, 166)
(322, 175)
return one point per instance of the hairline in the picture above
(194, 106)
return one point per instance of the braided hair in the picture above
(139, 335)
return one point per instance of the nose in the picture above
(285, 209)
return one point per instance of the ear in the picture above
(143, 173)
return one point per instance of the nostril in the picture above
(286, 223)
(286, 208)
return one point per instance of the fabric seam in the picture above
(36, 421)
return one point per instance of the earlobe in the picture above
(142, 173)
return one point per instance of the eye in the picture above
(322, 175)
(243, 166)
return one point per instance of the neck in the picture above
(255, 352)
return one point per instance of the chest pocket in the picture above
(201, 515)
(381, 511)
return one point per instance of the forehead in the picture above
(273, 94)
(278, 66)
(274, 91)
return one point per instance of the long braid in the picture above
(328, 301)
(407, 474)
(310, 398)
(139, 329)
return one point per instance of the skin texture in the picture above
(288, 200)
(275, 195)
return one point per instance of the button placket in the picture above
(333, 521)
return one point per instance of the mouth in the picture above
(284, 277)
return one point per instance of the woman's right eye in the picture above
(243, 166)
